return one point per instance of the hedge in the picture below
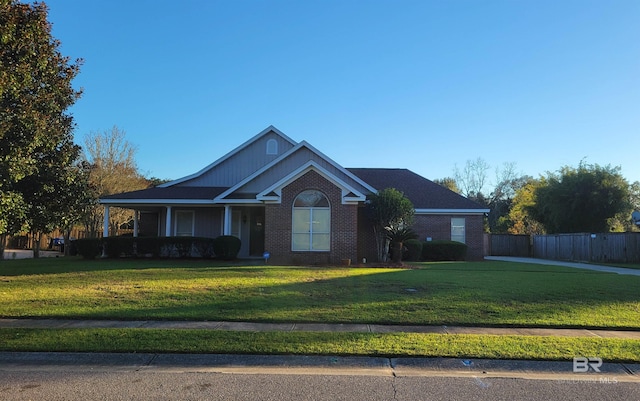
(443, 250)
(157, 247)
(89, 248)
(226, 247)
(413, 250)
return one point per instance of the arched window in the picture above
(272, 147)
(311, 228)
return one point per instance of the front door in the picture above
(256, 231)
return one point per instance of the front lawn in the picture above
(481, 294)
(487, 293)
(315, 343)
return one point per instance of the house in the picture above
(290, 199)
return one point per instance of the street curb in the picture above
(315, 365)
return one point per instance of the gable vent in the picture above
(272, 147)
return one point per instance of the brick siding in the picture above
(438, 227)
(344, 225)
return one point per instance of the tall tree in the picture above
(519, 220)
(449, 183)
(389, 212)
(113, 169)
(581, 199)
(474, 183)
(35, 127)
(472, 178)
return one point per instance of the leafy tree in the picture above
(35, 130)
(449, 183)
(581, 199)
(518, 220)
(622, 221)
(112, 170)
(473, 180)
(389, 211)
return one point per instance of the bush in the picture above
(89, 248)
(413, 251)
(166, 247)
(116, 247)
(443, 250)
(226, 247)
(148, 247)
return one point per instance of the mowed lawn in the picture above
(482, 294)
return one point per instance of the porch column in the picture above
(167, 228)
(227, 220)
(135, 223)
(105, 224)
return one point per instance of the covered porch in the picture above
(246, 222)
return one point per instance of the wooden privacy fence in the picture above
(508, 245)
(602, 247)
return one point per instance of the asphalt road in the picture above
(152, 385)
(70, 377)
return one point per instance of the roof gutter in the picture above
(453, 211)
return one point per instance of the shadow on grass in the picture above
(483, 293)
(71, 264)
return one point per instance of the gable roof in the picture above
(349, 194)
(235, 151)
(339, 170)
(426, 195)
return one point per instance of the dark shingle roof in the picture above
(423, 193)
(171, 193)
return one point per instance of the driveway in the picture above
(576, 265)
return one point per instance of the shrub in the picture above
(204, 247)
(116, 247)
(413, 251)
(226, 247)
(148, 246)
(89, 248)
(166, 247)
(443, 250)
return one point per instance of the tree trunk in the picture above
(66, 235)
(36, 245)
(3, 241)
(397, 252)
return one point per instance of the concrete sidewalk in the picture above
(576, 265)
(317, 327)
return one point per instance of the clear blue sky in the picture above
(424, 85)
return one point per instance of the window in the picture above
(457, 229)
(272, 147)
(184, 224)
(311, 226)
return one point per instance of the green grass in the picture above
(483, 293)
(479, 294)
(314, 343)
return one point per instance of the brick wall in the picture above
(367, 248)
(438, 227)
(344, 225)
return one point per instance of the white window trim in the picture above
(464, 229)
(184, 212)
(311, 209)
